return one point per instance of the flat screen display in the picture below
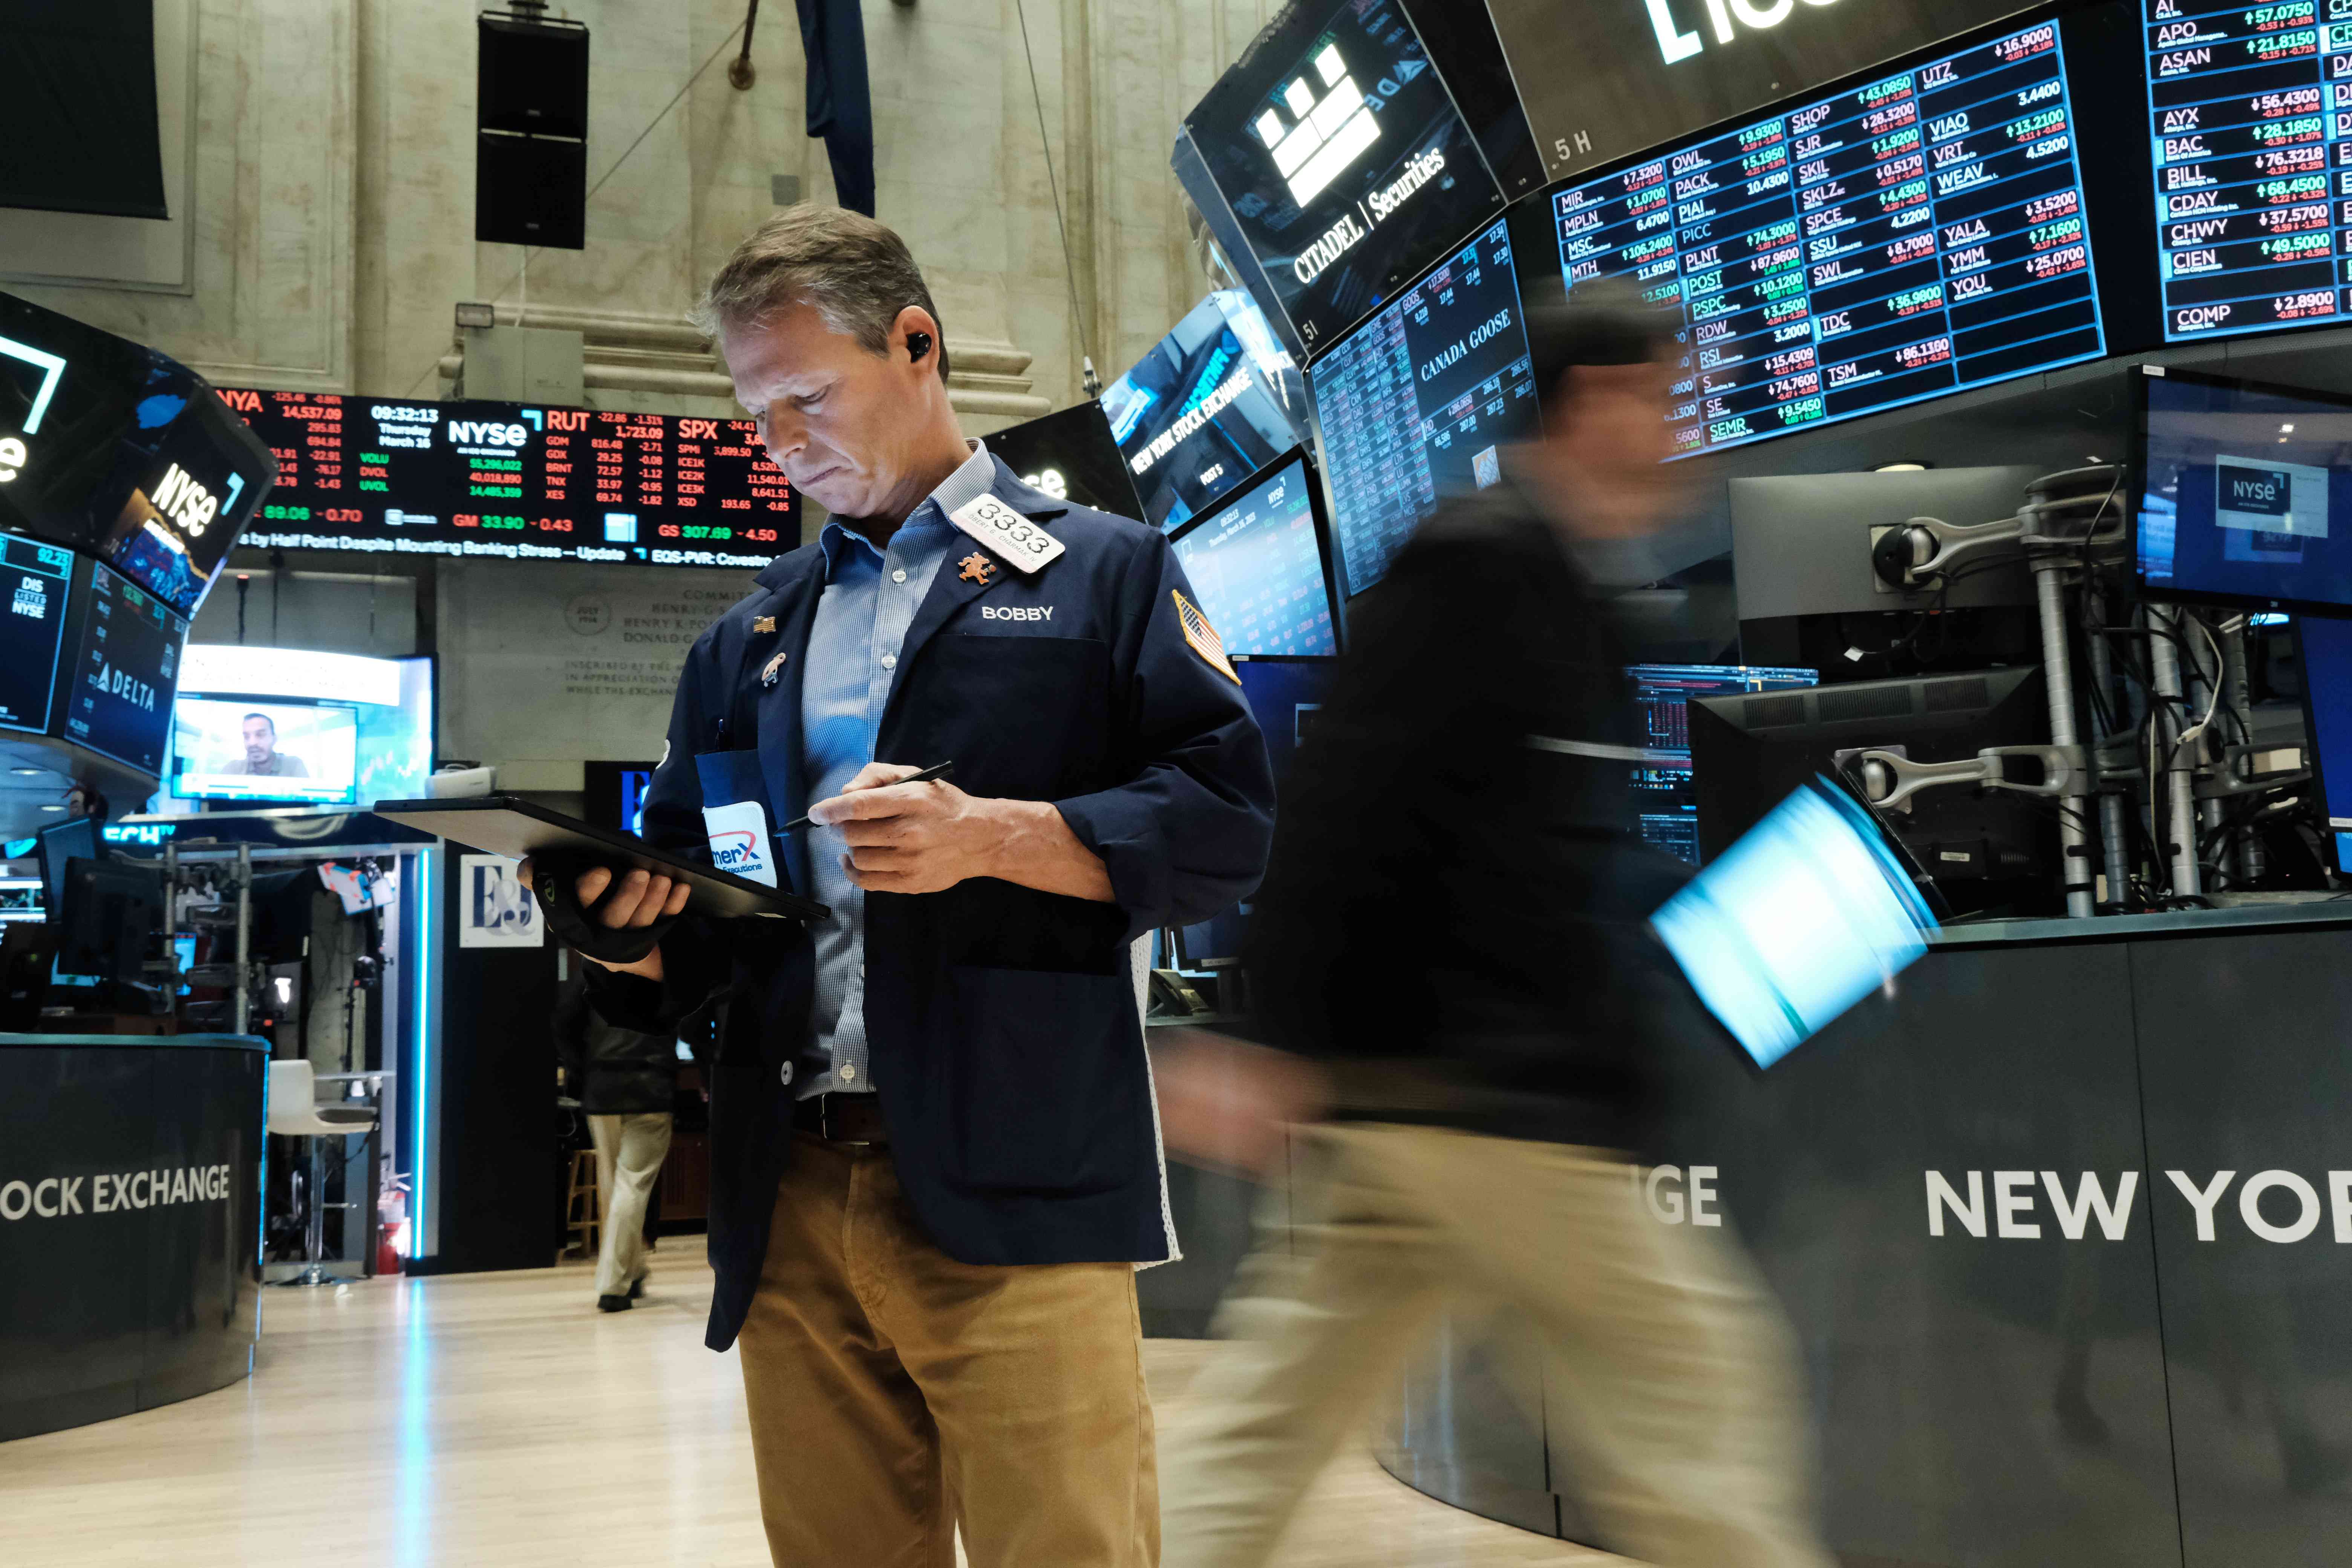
(1213, 402)
(1917, 236)
(1257, 567)
(119, 452)
(390, 702)
(1420, 400)
(119, 699)
(2247, 126)
(38, 581)
(1666, 805)
(1341, 158)
(305, 751)
(516, 482)
(1807, 914)
(1604, 80)
(2246, 494)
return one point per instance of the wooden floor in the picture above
(500, 1419)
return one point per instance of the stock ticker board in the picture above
(2250, 118)
(516, 482)
(1913, 238)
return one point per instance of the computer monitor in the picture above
(39, 580)
(23, 900)
(390, 702)
(2245, 492)
(1666, 807)
(111, 913)
(240, 750)
(1420, 400)
(1214, 401)
(1801, 543)
(2325, 648)
(1986, 849)
(1257, 562)
(118, 699)
(60, 843)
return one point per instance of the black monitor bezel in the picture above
(2136, 478)
(1298, 453)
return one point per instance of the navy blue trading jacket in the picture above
(1005, 1039)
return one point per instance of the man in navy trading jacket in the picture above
(935, 1151)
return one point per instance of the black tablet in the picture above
(511, 826)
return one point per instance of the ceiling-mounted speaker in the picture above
(531, 190)
(531, 162)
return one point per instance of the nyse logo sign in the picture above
(1677, 43)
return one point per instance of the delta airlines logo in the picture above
(1675, 44)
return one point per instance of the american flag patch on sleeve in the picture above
(1203, 637)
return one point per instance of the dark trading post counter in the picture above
(2068, 1167)
(129, 1222)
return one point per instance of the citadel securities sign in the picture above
(1602, 79)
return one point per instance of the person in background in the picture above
(262, 758)
(1453, 930)
(626, 1083)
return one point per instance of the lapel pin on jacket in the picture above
(768, 676)
(763, 623)
(976, 568)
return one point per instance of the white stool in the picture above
(294, 1112)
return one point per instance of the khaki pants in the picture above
(897, 1394)
(1667, 1371)
(629, 1154)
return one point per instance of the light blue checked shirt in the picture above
(869, 600)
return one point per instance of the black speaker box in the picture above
(531, 77)
(531, 190)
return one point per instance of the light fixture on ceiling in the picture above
(2286, 429)
(26, 773)
(55, 808)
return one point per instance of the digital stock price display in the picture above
(2250, 117)
(1421, 399)
(506, 481)
(1920, 234)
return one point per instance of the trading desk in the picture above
(2001, 1375)
(129, 1222)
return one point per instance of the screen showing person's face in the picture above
(260, 740)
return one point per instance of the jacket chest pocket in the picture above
(1023, 717)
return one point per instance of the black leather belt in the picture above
(841, 1118)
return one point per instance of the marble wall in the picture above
(329, 151)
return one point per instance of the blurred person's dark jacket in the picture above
(1455, 917)
(615, 1071)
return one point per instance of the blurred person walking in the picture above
(1453, 928)
(627, 1081)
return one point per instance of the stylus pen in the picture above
(926, 776)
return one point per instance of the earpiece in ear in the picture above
(917, 345)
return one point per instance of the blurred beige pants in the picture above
(629, 1154)
(1668, 1372)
